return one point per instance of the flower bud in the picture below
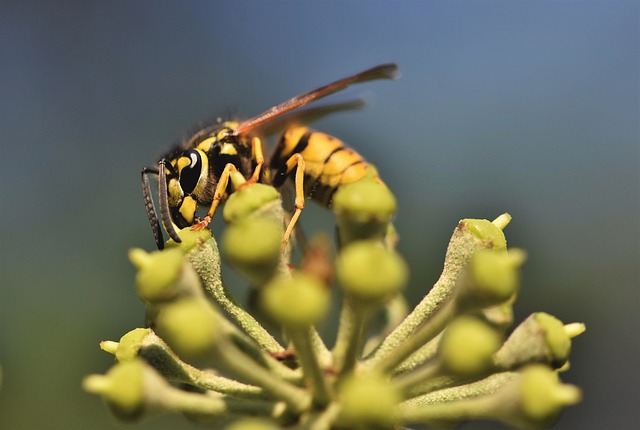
(487, 231)
(467, 347)
(541, 338)
(368, 401)
(190, 238)
(125, 388)
(130, 344)
(189, 326)
(364, 210)
(296, 301)
(369, 272)
(158, 273)
(494, 277)
(544, 396)
(253, 247)
(252, 424)
(555, 337)
(248, 200)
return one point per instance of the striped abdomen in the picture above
(329, 163)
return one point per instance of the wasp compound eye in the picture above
(190, 170)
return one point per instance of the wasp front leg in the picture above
(296, 161)
(221, 189)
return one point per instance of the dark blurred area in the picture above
(526, 107)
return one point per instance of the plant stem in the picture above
(355, 317)
(233, 359)
(303, 344)
(462, 246)
(415, 340)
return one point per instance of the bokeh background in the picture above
(529, 107)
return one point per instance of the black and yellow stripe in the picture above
(329, 163)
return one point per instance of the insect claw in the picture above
(202, 224)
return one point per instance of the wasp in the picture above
(197, 173)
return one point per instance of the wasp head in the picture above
(186, 178)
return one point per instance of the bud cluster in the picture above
(452, 358)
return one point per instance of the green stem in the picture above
(201, 404)
(415, 340)
(325, 358)
(462, 246)
(452, 412)
(249, 347)
(201, 259)
(303, 344)
(425, 353)
(353, 335)
(408, 381)
(156, 352)
(212, 382)
(345, 330)
(482, 399)
(234, 360)
(323, 420)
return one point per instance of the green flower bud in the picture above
(544, 396)
(249, 200)
(123, 388)
(467, 346)
(130, 344)
(555, 336)
(253, 247)
(487, 231)
(541, 338)
(368, 401)
(369, 272)
(252, 424)
(494, 276)
(158, 273)
(190, 238)
(297, 301)
(189, 326)
(364, 210)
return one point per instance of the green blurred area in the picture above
(528, 107)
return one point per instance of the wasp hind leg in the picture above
(296, 161)
(221, 189)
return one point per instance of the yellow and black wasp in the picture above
(197, 173)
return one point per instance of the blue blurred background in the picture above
(529, 107)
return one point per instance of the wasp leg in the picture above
(221, 189)
(295, 161)
(256, 151)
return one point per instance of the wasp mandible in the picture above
(197, 173)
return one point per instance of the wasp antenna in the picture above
(164, 203)
(150, 207)
(383, 71)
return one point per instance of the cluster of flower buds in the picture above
(452, 358)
